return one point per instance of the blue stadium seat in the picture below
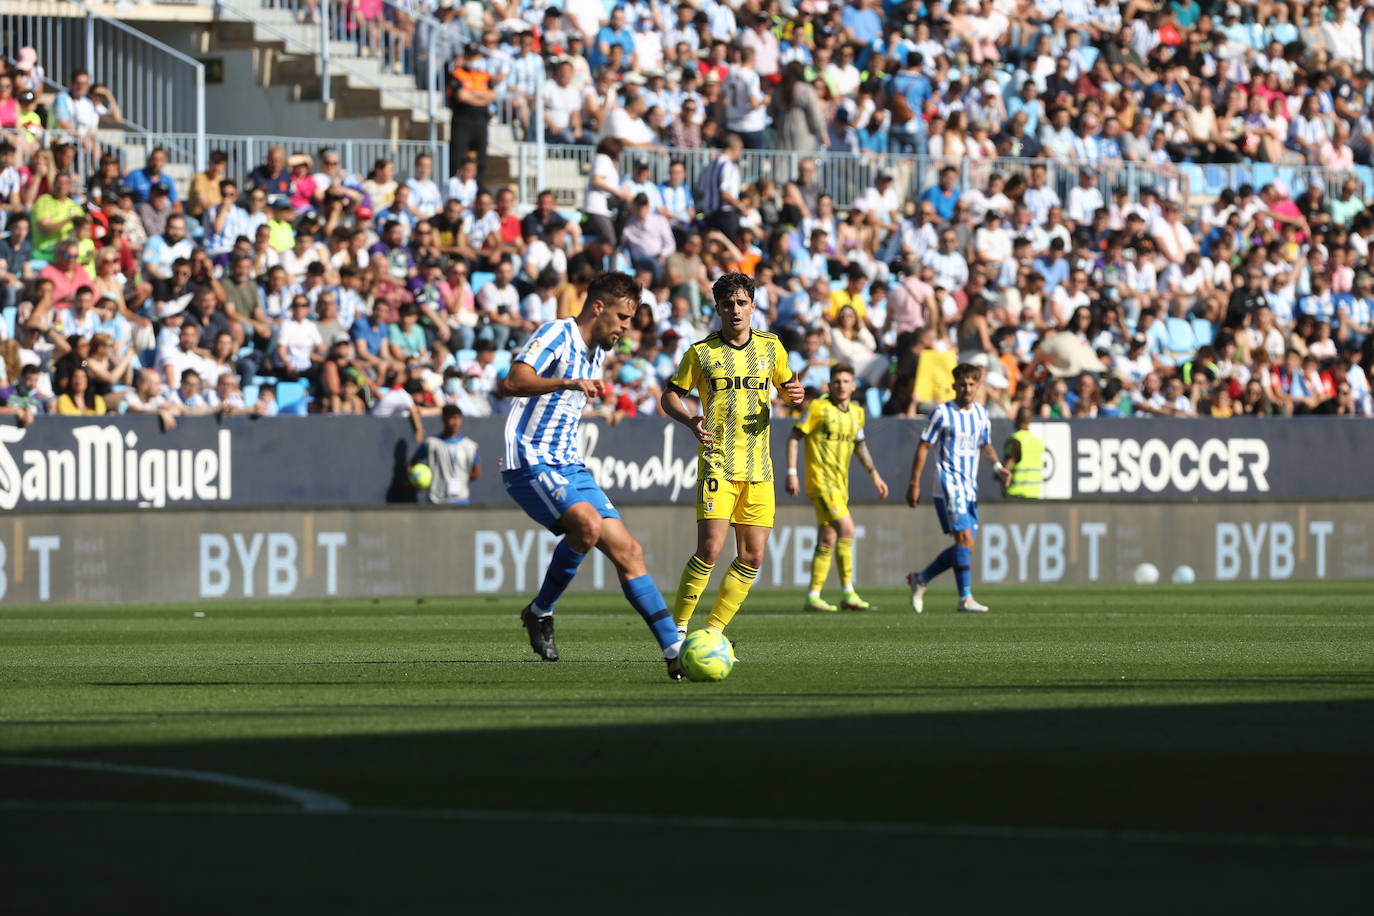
(293, 398)
(502, 360)
(1261, 174)
(1366, 176)
(480, 279)
(463, 357)
(1203, 331)
(875, 398)
(1087, 55)
(250, 395)
(11, 317)
(1197, 178)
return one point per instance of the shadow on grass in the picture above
(1271, 768)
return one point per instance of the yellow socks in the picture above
(844, 554)
(696, 575)
(820, 568)
(733, 590)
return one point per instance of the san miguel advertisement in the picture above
(133, 463)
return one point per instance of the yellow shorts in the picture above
(829, 506)
(741, 501)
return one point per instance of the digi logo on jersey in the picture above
(735, 383)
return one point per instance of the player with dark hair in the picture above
(550, 382)
(733, 371)
(960, 431)
(833, 429)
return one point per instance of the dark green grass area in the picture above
(1237, 722)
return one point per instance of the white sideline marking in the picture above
(310, 802)
(658, 822)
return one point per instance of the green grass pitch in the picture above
(1165, 749)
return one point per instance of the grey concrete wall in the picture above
(178, 556)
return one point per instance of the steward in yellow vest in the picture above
(1025, 458)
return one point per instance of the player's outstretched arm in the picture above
(866, 460)
(793, 440)
(918, 462)
(998, 468)
(524, 382)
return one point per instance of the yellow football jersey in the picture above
(735, 386)
(831, 434)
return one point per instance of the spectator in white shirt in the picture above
(425, 197)
(299, 345)
(1086, 199)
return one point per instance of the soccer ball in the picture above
(1146, 574)
(421, 477)
(1184, 575)
(706, 656)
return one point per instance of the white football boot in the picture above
(918, 591)
(967, 605)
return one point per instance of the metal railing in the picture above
(246, 153)
(843, 176)
(342, 39)
(158, 89)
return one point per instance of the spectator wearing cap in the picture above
(281, 228)
(53, 214)
(647, 237)
(470, 94)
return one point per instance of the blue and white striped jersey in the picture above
(543, 429)
(957, 435)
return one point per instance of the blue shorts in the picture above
(956, 513)
(545, 492)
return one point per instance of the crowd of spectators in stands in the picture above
(404, 289)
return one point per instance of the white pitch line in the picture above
(734, 824)
(310, 801)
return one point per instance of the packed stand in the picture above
(403, 291)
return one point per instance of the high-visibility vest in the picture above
(1029, 472)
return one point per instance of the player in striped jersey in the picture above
(959, 431)
(550, 382)
(834, 432)
(733, 371)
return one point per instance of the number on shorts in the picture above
(552, 480)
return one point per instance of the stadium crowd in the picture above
(405, 290)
